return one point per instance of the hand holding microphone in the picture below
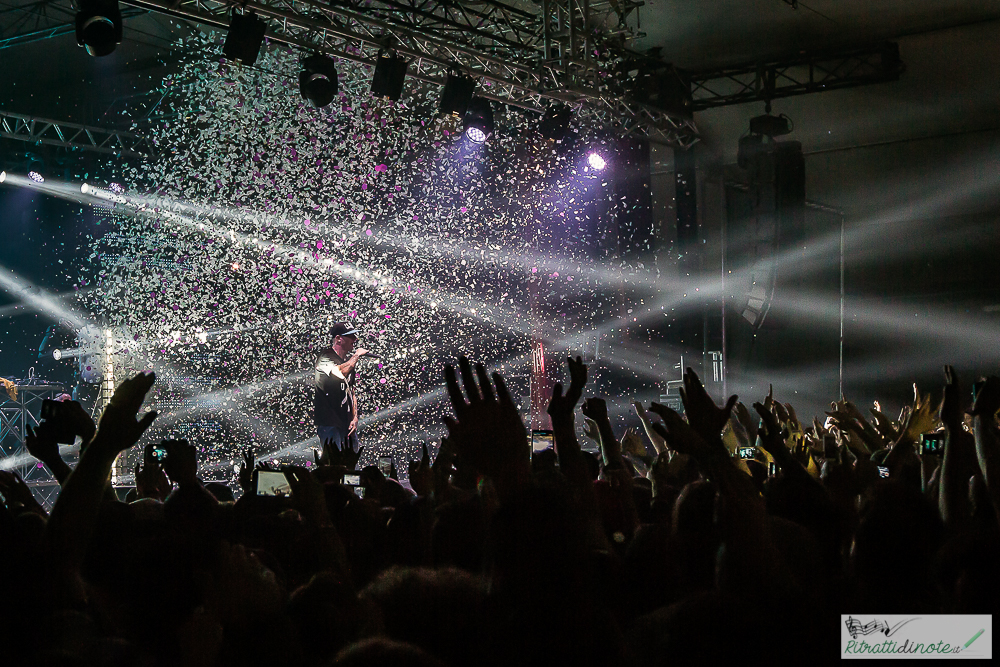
(365, 353)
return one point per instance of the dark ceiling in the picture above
(948, 48)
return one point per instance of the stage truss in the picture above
(73, 135)
(526, 55)
(15, 416)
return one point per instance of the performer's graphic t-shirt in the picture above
(334, 405)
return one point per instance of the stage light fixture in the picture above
(479, 120)
(476, 135)
(36, 177)
(596, 161)
(318, 80)
(246, 34)
(84, 188)
(555, 122)
(456, 94)
(771, 126)
(99, 26)
(57, 354)
(3, 176)
(390, 72)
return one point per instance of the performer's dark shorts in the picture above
(327, 433)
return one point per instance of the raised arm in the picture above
(348, 366)
(611, 450)
(71, 523)
(659, 444)
(959, 461)
(487, 430)
(984, 424)
(60, 426)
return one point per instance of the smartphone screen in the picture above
(385, 465)
(883, 471)
(159, 453)
(270, 483)
(359, 491)
(747, 452)
(540, 441)
(352, 480)
(932, 443)
(772, 469)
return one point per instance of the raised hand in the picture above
(596, 409)
(487, 430)
(42, 442)
(884, 425)
(769, 399)
(769, 433)
(705, 417)
(421, 475)
(561, 405)
(118, 428)
(772, 441)
(326, 456)
(681, 437)
(781, 413)
(849, 419)
(578, 379)
(349, 458)
(659, 444)
(632, 443)
(951, 401)
(793, 419)
(590, 430)
(921, 419)
(745, 420)
(181, 462)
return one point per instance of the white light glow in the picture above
(476, 135)
(596, 161)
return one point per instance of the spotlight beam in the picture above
(38, 299)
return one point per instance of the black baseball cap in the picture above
(343, 329)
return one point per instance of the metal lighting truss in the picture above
(15, 416)
(72, 135)
(796, 75)
(524, 55)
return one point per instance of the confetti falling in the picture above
(264, 220)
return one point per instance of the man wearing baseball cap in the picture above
(336, 404)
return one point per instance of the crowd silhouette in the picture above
(732, 533)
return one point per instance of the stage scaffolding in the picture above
(15, 416)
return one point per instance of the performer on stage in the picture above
(336, 403)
